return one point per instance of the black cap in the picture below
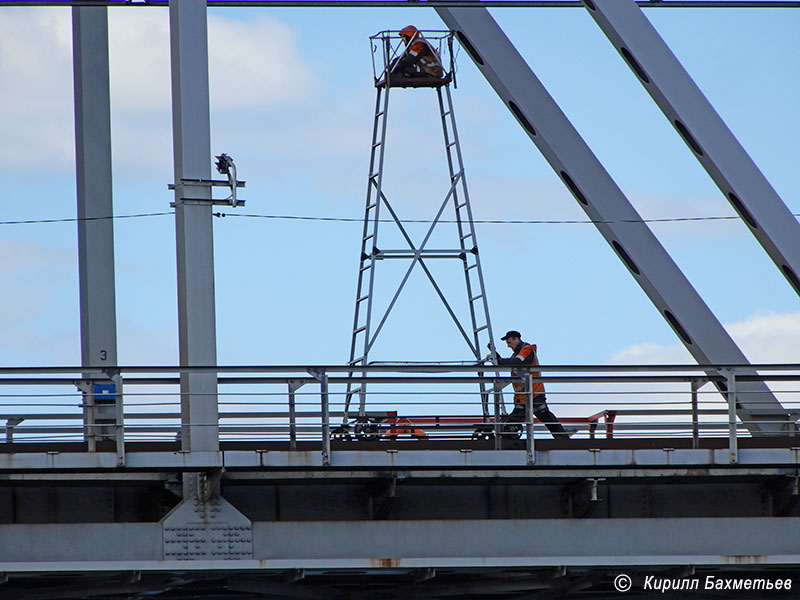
(511, 333)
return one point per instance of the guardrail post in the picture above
(696, 385)
(529, 420)
(733, 442)
(322, 377)
(120, 419)
(11, 423)
(498, 398)
(294, 385)
(87, 399)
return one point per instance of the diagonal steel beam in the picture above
(602, 200)
(703, 130)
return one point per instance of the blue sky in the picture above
(292, 102)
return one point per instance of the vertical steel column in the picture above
(191, 138)
(703, 130)
(614, 216)
(95, 200)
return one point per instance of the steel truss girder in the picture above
(93, 547)
(703, 130)
(608, 207)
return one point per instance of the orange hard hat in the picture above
(409, 31)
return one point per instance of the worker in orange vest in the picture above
(419, 58)
(523, 357)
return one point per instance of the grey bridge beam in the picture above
(608, 207)
(703, 130)
(93, 174)
(505, 543)
(191, 134)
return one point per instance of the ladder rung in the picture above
(481, 328)
(371, 206)
(380, 113)
(451, 144)
(462, 205)
(472, 266)
(355, 360)
(447, 112)
(362, 298)
(463, 237)
(476, 297)
(366, 266)
(369, 237)
(360, 329)
(376, 144)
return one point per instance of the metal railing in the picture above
(301, 406)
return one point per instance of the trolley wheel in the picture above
(483, 432)
(512, 431)
(342, 433)
(366, 430)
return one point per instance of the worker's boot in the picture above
(551, 422)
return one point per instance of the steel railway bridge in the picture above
(249, 482)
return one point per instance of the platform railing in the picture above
(302, 407)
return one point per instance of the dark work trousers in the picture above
(542, 412)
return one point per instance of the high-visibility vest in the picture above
(524, 354)
(430, 63)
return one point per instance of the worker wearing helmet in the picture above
(418, 59)
(524, 356)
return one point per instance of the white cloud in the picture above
(253, 64)
(39, 304)
(36, 77)
(648, 353)
(764, 338)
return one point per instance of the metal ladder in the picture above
(478, 332)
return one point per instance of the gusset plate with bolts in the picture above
(205, 526)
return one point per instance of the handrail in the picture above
(407, 402)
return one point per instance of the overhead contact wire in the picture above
(422, 221)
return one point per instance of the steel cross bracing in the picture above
(478, 333)
(604, 202)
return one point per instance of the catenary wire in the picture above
(360, 220)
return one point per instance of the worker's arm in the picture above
(513, 361)
(406, 60)
(526, 356)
